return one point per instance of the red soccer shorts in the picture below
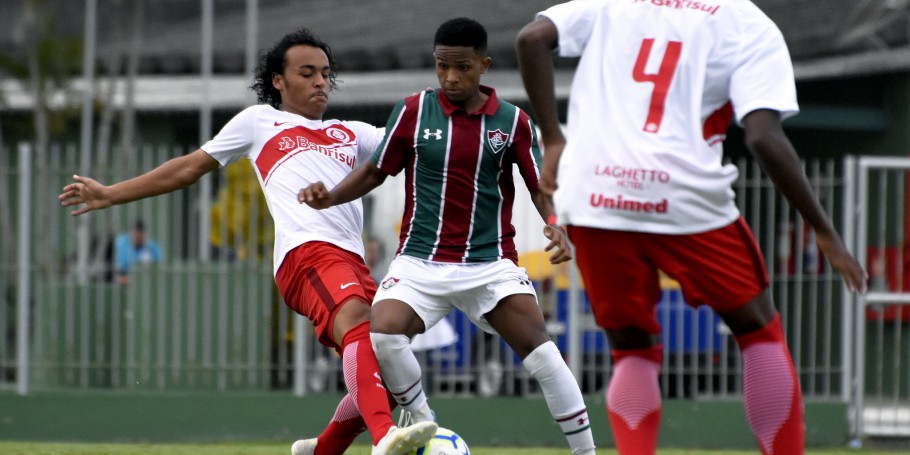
(723, 269)
(317, 278)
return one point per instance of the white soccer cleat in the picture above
(424, 414)
(402, 441)
(304, 447)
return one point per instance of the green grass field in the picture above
(28, 448)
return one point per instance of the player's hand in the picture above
(849, 268)
(559, 243)
(315, 196)
(84, 191)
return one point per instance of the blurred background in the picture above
(176, 294)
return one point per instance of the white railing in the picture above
(880, 381)
(187, 323)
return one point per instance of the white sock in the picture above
(401, 372)
(563, 396)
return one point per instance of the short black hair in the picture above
(462, 31)
(275, 60)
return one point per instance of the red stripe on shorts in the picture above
(321, 290)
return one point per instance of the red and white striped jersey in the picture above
(289, 152)
(656, 87)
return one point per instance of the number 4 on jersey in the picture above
(661, 79)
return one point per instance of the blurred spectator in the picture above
(134, 247)
(374, 257)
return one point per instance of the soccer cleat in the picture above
(402, 441)
(304, 447)
(407, 417)
(404, 419)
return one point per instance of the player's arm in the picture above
(355, 185)
(171, 175)
(534, 46)
(766, 139)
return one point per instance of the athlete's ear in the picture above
(276, 81)
(487, 61)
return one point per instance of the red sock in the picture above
(361, 375)
(633, 400)
(774, 402)
(344, 427)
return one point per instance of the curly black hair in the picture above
(274, 61)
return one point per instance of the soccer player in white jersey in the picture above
(457, 147)
(642, 187)
(318, 256)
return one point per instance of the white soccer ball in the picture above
(446, 442)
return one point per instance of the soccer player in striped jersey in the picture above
(457, 146)
(318, 258)
(642, 187)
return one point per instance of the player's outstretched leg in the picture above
(771, 391)
(361, 375)
(633, 400)
(563, 396)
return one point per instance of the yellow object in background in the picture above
(232, 230)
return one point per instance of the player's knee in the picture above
(753, 316)
(389, 346)
(632, 338)
(395, 317)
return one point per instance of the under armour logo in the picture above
(437, 134)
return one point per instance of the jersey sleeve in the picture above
(575, 22)
(762, 76)
(368, 138)
(235, 139)
(526, 151)
(398, 143)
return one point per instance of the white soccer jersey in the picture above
(289, 152)
(656, 86)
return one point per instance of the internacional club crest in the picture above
(338, 134)
(497, 140)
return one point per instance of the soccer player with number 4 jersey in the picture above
(457, 146)
(642, 187)
(318, 257)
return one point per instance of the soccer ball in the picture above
(446, 442)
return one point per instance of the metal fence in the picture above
(880, 401)
(207, 316)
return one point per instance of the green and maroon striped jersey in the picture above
(458, 175)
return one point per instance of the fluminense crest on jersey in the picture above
(497, 140)
(389, 282)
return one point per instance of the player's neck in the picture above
(474, 103)
(310, 116)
